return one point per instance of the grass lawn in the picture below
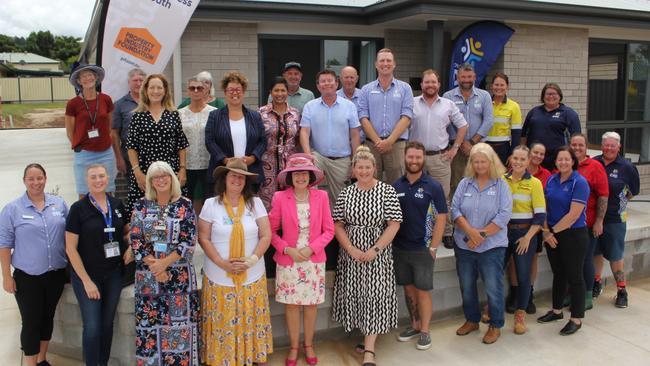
(41, 118)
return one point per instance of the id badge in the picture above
(160, 247)
(112, 249)
(109, 229)
(160, 226)
(93, 133)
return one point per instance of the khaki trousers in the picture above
(390, 166)
(337, 172)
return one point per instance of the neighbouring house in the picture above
(28, 64)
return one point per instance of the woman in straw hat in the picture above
(303, 217)
(234, 232)
(88, 126)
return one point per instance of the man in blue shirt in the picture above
(122, 119)
(385, 111)
(423, 204)
(624, 183)
(476, 106)
(329, 130)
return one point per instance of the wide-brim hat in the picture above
(301, 162)
(98, 70)
(234, 165)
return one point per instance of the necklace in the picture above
(301, 199)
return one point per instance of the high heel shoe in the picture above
(310, 360)
(290, 362)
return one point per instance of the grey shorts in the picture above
(414, 267)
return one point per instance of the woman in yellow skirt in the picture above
(234, 232)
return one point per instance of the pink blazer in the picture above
(284, 215)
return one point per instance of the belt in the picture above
(398, 140)
(518, 226)
(435, 152)
(336, 157)
(497, 143)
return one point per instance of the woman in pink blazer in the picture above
(302, 214)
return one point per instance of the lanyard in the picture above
(93, 117)
(108, 218)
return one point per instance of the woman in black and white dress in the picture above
(367, 216)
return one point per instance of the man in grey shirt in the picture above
(298, 96)
(122, 118)
(476, 106)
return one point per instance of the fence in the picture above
(35, 89)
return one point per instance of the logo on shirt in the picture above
(614, 173)
(419, 193)
(556, 115)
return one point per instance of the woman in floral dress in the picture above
(281, 124)
(303, 217)
(166, 298)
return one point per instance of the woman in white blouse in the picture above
(194, 117)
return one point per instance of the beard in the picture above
(429, 93)
(414, 168)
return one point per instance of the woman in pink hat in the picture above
(302, 214)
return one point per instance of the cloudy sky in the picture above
(71, 17)
(61, 17)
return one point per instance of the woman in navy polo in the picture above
(566, 238)
(550, 123)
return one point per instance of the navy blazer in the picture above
(218, 140)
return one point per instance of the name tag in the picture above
(459, 102)
(160, 227)
(57, 213)
(112, 249)
(401, 194)
(491, 193)
(93, 133)
(109, 230)
(375, 92)
(467, 195)
(160, 247)
(28, 217)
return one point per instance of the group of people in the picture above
(400, 176)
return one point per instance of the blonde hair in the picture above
(363, 153)
(496, 169)
(167, 101)
(160, 168)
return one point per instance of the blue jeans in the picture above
(523, 263)
(97, 316)
(490, 265)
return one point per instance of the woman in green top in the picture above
(206, 78)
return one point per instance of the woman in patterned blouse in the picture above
(281, 124)
(155, 134)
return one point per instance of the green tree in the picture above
(7, 44)
(65, 47)
(40, 43)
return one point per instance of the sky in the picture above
(71, 17)
(61, 17)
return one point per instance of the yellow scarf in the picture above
(236, 237)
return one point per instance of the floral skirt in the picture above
(301, 283)
(235, 324)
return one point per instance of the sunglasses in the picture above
(195, 88)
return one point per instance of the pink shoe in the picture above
(310, 360)
(290, 362)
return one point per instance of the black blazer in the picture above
(218, 140)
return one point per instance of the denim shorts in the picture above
(84, 158)
(414, 267)
(612, 242)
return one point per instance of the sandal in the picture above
(310, 360)
(373, 363)
(290, 362)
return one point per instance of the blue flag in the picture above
(480, 44)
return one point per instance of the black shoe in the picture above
(448, 242)
(621, 298)
(511, 300)
(43, 363)
(531, 309)
(598, 289)
(570, 328)
(550, 317)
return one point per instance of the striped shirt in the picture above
(507, 119)
(528, 202)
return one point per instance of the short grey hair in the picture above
(206, 78)
(136, 71)
(466, 67)
(160, 168)
(612, 135)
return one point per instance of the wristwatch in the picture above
(483, 234)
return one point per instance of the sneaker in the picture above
(424, 342)
(408, 334)
(598, 289)
(621, 298)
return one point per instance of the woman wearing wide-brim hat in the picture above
(88, 126)
(302, 215)
(234, 232)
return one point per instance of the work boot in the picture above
(520, 322)
(467, 328)
(491, 335)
